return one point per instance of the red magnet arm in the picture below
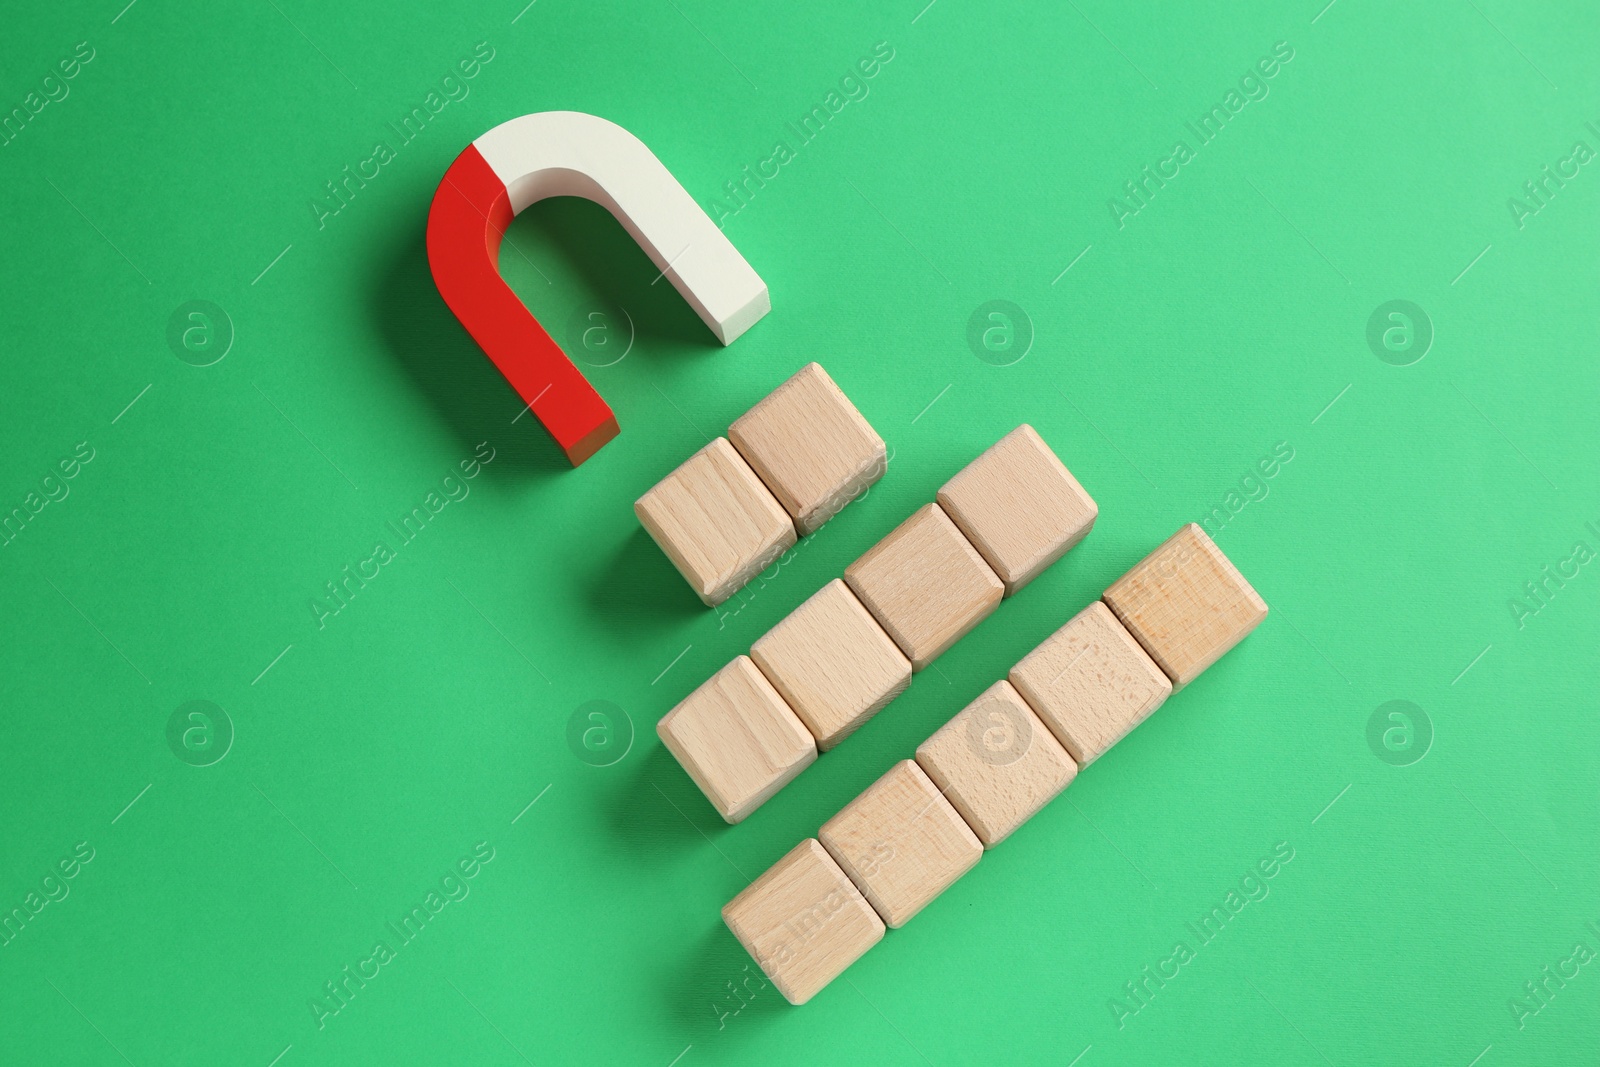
(468, 219)
(567, 153)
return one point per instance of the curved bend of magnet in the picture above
(568, 153)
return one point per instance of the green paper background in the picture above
(371, 754)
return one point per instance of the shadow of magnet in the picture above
(568, 153)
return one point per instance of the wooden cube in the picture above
(1186, 604)
(996, 763)
(716, 521)
(737, 739)
(832, 663)
(1019, 506)
(901, 842)
(925, 584)
(811, 446)
(1091, 683)
(803, 922)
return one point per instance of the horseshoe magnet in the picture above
(568, 153)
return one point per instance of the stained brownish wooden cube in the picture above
(737, 739)
(810, 446)
(1019, 506)
(803, 921)
(1091, 683)
(901, 842)
(925, 584)
(833, 663)
(716, 520)
(1186, 604)
(996, 763)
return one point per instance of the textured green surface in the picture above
(374, 752)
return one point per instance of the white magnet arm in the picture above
(569, 153)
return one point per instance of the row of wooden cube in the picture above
(926, 822)
(787, 466)
(844, 654)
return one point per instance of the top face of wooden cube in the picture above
(1187, 604)
(901, 842)
(1020, 506)
(737, 739)
(716, 521)
(811, 447)
(1091, 683)
(833, 663)
(996, 763)
(925, 584)
(803, 921)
